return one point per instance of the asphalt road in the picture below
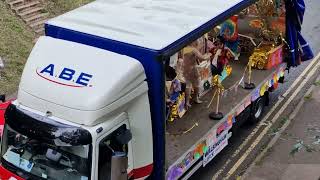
(311, 31)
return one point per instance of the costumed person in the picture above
(171, 66)
(191, 57)
(202, 47)
(220, 56)
(229, 31)
(180, 68)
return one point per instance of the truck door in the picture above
(107, 146)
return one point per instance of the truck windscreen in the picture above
(50, 155)
(45, 129)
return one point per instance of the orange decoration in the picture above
(256, 23)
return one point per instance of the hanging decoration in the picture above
(267, 57)
(249, 84)
(230, 33)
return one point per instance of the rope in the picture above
(186, 131)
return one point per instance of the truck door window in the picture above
(106, 148)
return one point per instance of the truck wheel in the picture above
(257, 109)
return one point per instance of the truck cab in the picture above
(76, 116)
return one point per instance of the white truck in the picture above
(91, 102)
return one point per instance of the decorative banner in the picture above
(212, 138)
(247, 102)
(275, 78)
(177, 170)
(215, 148)
(269, 83)
(174, 173)
(276, 56)
(225, 126)
(205, 77)
(265, 87)
(240, 109)
(181, 105)
(279, 74)
(230, 120)
(255, 95)
(282, 73)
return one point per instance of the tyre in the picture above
(257, 109)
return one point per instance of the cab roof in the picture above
(110, 76)
(152, 24)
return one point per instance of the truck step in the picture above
(29, 11)
(34, 25)
(25, 6)
(35, 17)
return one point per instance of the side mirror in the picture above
(124, 137)
(119, 166)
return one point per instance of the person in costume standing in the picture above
(191, 57)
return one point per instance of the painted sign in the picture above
(215, 148)
(205, 77)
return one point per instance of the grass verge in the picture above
(16, 40)
(15, 45)
(57, 7)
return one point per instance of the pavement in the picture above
(295, 153)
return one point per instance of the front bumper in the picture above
(7, 175)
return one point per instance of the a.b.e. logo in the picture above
(65, 77)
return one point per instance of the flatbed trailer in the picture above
(202, 128)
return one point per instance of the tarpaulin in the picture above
(298, 46)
